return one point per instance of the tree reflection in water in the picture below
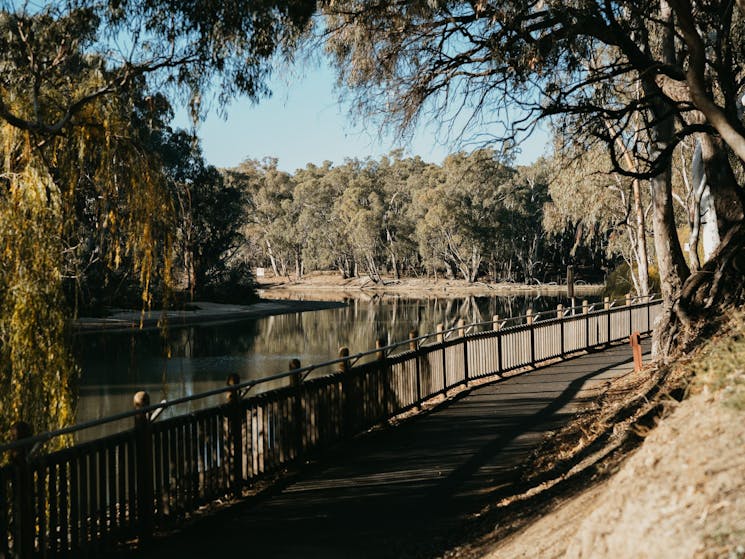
(115, 365)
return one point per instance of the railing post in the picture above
(144, 468)
(649, 314)
(343, 365)
(379, 345)
(235, 426)
(586, 314)
(498, 328)
(440, 328)
(23, 510)
(606, 307)
(462, 336)
(297, 406)
(560, 316)
(636, 350)
(628, 306)
(346, 389)
(414, 346)
(495, 322)
(529, 322)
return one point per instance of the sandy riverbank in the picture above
(199, 312)
(331, 286)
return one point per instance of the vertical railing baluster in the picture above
(144, 468)
(235, 426)
(23, 510)
(529, 322)
(607, 308)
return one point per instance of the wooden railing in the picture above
(92, 497)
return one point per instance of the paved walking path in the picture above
(399, 492)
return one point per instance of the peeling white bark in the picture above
(707, 214)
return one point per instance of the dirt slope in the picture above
(680, 495)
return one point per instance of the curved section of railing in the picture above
(92, 496)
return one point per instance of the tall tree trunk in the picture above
(271, 258)
(670, 260)
(298, 264)
(727, 196)
(640, 238)
(642, 259)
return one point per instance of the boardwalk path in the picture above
(398, 493)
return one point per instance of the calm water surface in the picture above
(193, 359)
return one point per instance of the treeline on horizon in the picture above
(471, 217)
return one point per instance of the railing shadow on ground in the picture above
(93, 496)
(397, 492)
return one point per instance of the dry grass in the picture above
(720, 369)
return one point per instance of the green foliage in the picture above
(470, 216)
(209, 228)
(44, 191)
(36, 369)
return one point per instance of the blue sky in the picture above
(304, 122)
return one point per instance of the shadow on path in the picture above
(403, 491)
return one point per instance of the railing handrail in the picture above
(244, 387)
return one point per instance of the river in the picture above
(193, 359)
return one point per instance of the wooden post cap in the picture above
(141, 400)
(18, 431)
(379, 344)
(294, 366)
(232, 380)
(413, 335)
(343, 365)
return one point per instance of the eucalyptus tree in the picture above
(72, 72)
(317, 194)
(598, 204)
(459, 211)
(360, 209)
(522, 199)
(400, 177)
(545, 58)
(268, 194)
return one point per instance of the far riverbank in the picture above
(319, 291)
(199, 312)
(330, 286)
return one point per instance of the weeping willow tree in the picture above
(103, 167)
(74, 76)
